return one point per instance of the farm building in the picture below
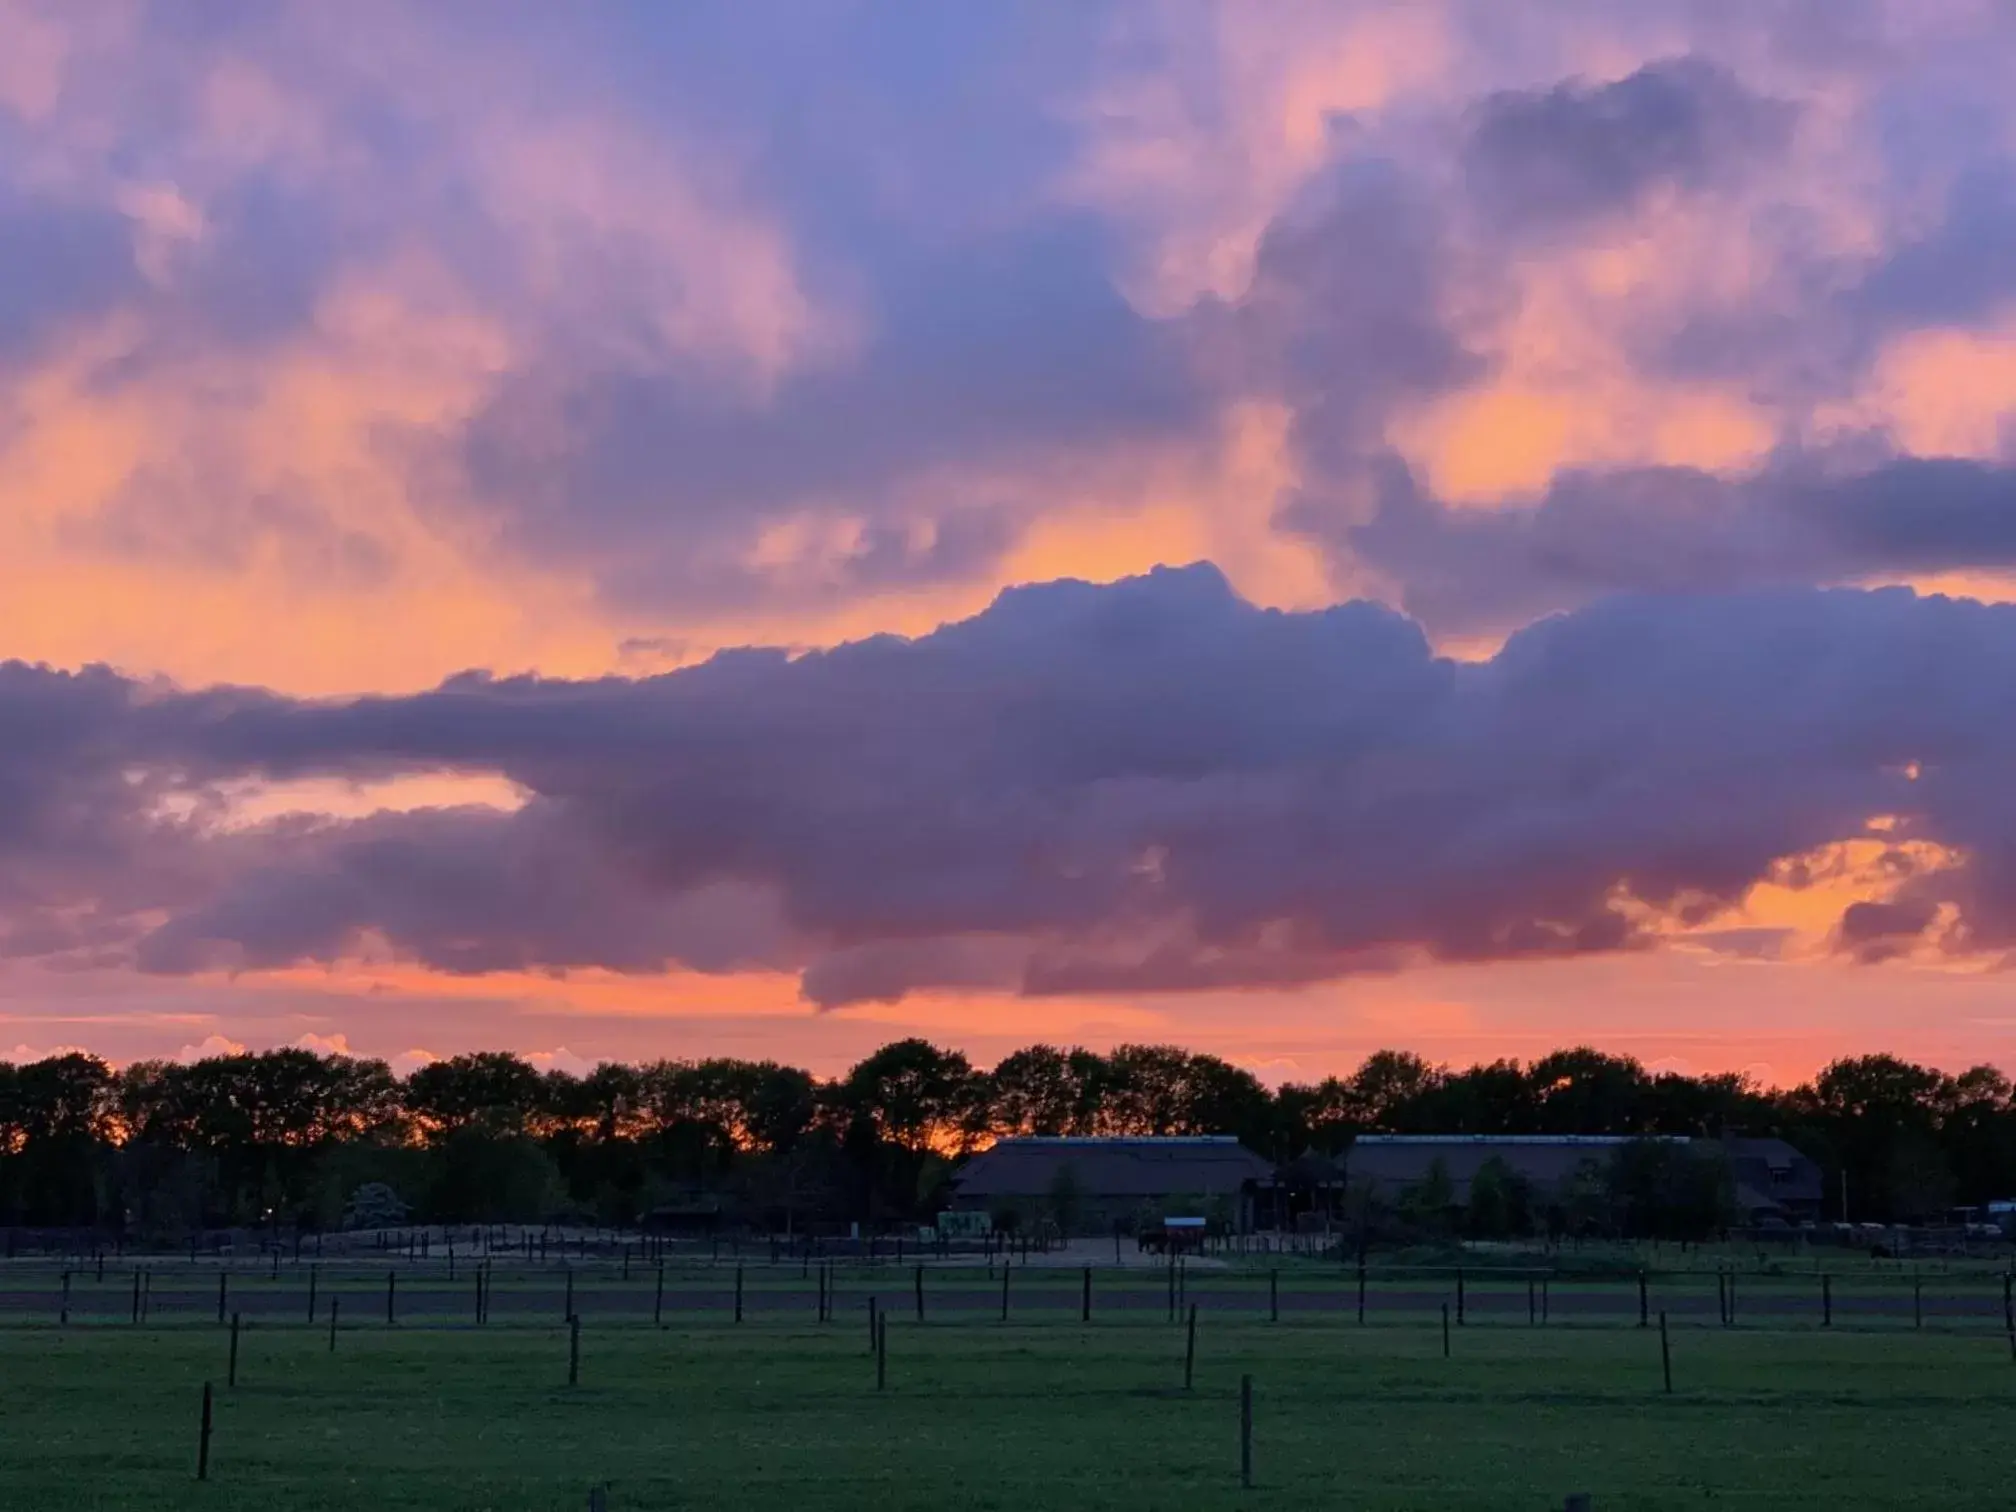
(1773, 1180)
(1391, 1164)
(1095, 1185)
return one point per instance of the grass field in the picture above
(979, 1415)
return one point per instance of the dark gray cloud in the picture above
(1547, 158)
(996, 355)
(1963, 267)
(1149, 786)
(59, 262)
(1679, 530)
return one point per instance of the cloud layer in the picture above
(340, 353)
(1149, 786)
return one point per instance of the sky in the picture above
(628, 530)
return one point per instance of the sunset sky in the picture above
(635, 529)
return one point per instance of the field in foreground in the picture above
(1050, 1415)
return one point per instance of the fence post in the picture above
(658, 1297)
(881, 1351)
(391, 1294)
(333, 1301)
(1085, 1300)
(1005, 1269)
(1644, 1300)
(1459, 1296)
(1361, 1288)
(1445, 1330)
(919, 1282)
(1246, 1432)
(738, 1292)
(874, 1321)
(231, 1373)
(1665, 1352)
(312, 1277)
(64, 1314)
(1917, 1303)
(1190, 1349)
(1826, 1301)
(223, 1276)
(1274, 1296)
(136, 1294)
(574, 1350)
(203, 1438)
(567, 1308)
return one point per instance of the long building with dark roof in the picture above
(1101, 1183)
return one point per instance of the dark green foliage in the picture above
(287, 1137)
(1501, 1203)
(1661, 1190)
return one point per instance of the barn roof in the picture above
(1205, 1165)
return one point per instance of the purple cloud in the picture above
(1149, 787)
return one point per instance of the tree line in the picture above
(291, 1138)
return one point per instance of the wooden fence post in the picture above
(136, 1294)
(1274, 1296)
(881, 1351)
(574, 1350)
(1644, 1300)
(1190, 1349)
(1445, 1330)
(1085, 1299)
(223, 1277)
(1005, 1269)
(1665, 1352)
(203, 1438)
(231, 1374)
(1246, 1432)
(391, 1296)
(738, 1292)
(333, 1301)
(1826, 1301)
(312, 1277)
(63, 1314)
(567, 1307)
(1917, 1303)
(658, 1297)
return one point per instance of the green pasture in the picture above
(980, 1415)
